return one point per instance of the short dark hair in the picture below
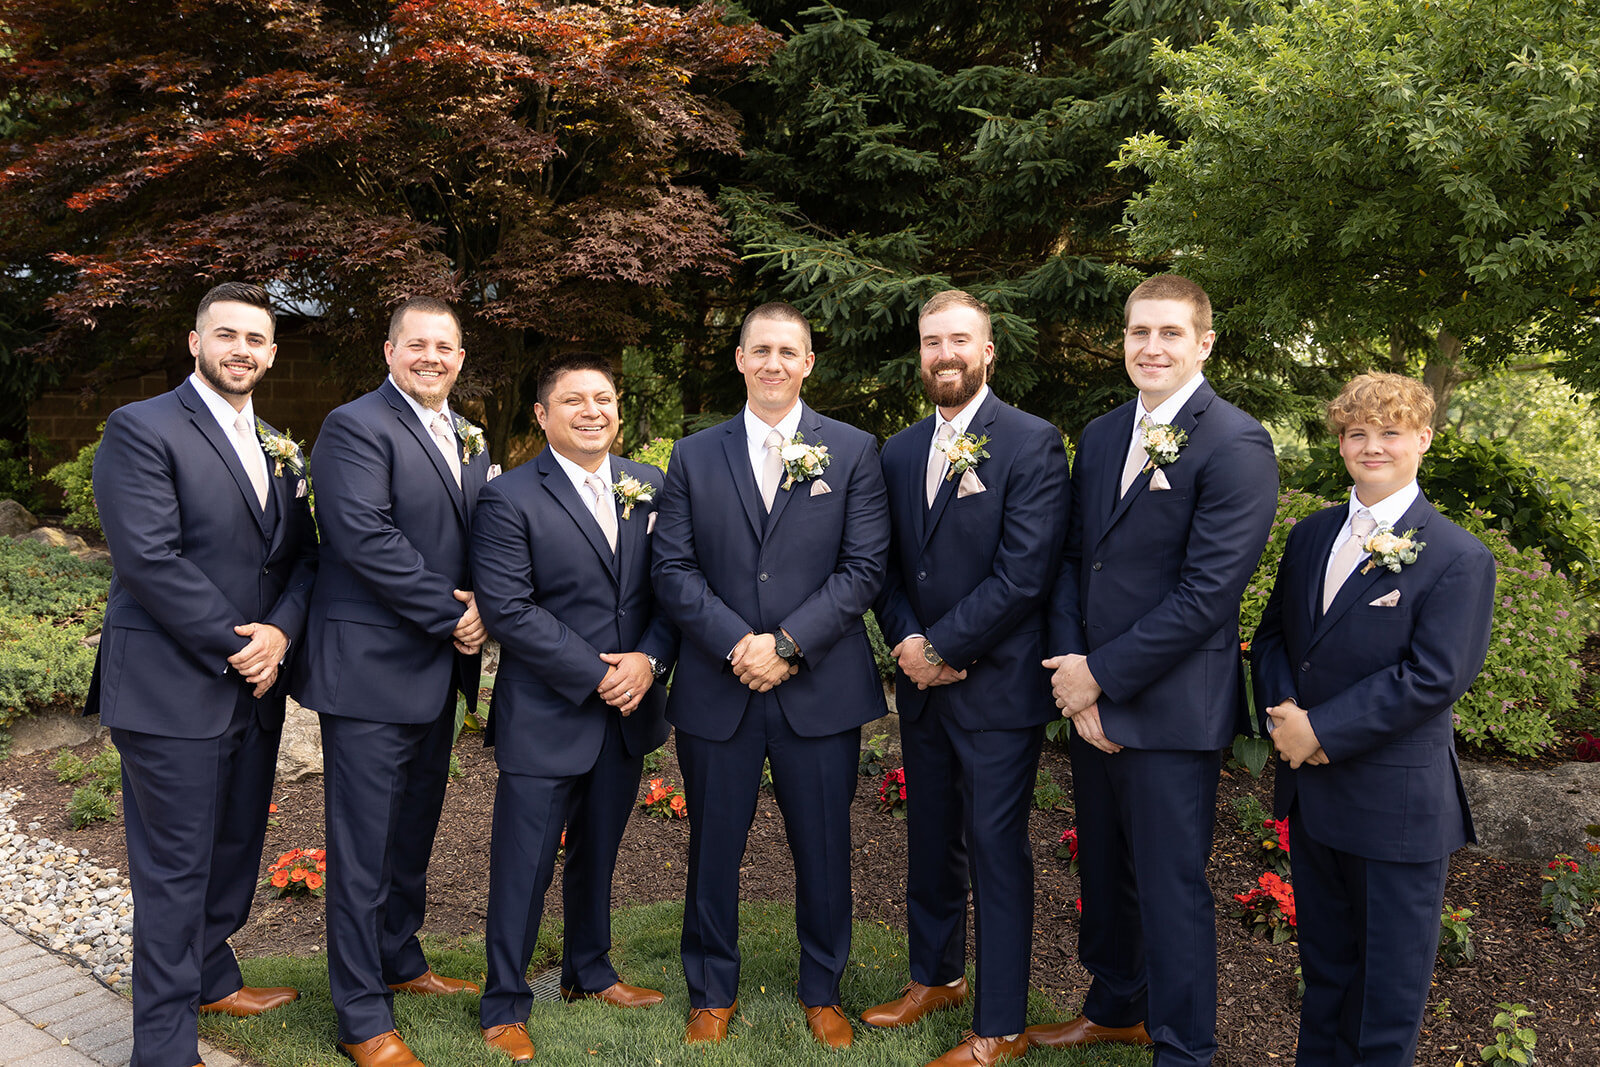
(783, 312)
(1174, 287)
(237, 293)
(428, 305)
(566, 364)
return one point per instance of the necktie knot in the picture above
(774, 439)
(1362, 524)
(605, 512)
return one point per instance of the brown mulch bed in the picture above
(1519, 958)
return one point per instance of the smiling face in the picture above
(956, 354)
(774, 359)
(232, 348)
(1162, 348)
(1384, 459)
(424, 355)
(579, 417)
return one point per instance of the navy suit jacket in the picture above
(973, 574)
(1150, 583)
(193, 556)
(724, 568)
(395, 534)
(1379, 684)
(555, 596)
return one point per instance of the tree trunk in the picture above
(1443, 373)
(500, 405)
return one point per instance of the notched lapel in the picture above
(744, 480)
(811, 433)
(203, 421)
(558, 485)
(1357, 589)
(408, 419)
(1187, 420)
(981, 422)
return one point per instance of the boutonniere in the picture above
(470, 436)
(631, 491)
(802, 461)
(963, 452)
(282, 449)
(1388, 550)
(1162, 443)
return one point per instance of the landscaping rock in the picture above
(1532, 815)
(52, 729)
(300, 750)
(58, 539)
(15, 520)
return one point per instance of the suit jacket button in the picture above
(922, 576)
(1306, 666)
(266, 570)
(621, 612)
(763, 576)
(1098, 564)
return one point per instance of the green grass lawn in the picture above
(769, 1029)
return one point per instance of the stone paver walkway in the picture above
(54, 1014)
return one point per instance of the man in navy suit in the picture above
(1378, 622)
(561, 568)
(213, 554)
(393, 635)
(977, 542)
(767, 553)
(1173, 494)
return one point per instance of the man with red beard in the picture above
(979, 499)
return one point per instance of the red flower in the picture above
(1079, 905)
(1069, 837)
(280, 879)
(272, 809)
(680, 806)
(314, 881)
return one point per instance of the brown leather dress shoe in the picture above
(434, 985)
(385, 1050)
(247, 1001)
(915, 1001)
(618, 996)
(1081, 1031)
(708, 1024)
(975, 1051)
(829, 1025)
(512, 1039)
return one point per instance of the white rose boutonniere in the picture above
(1391, 551)
(802, 461)
(630, 491)
(282, 449)
(963, 452)
(471, 438)
(1162, 443)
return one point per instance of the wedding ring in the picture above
(627, 694)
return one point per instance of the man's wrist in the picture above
(658, 669)
(930, 655)
(784, 647)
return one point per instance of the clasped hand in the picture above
(1077, 694)
(469, 633)
(757, 663)
(1293, 736)
(628, 678)
(258, 661)
(914, 664)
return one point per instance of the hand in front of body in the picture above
(627, 680)
(258, 661)
(1293, 736)
(913, 660)
(469, 633)
(1072, 684)
(758, 665)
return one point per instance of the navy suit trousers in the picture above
(529, 814)
(815, 781)
(195, 811)
(384, 786)
(969, 793)
(1369, 932)
(1145, 819)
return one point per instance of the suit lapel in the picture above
(279, 499)
(408, 419)
(811, 431)
(558, 485)
(630, 531)
(1358, 585)
(206, 423)
(916, 491)
(1187, 419)
(744, 480)
(982, 419)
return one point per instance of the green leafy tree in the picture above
(1388, 180)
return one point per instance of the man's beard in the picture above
(956, 393)
(216, 378)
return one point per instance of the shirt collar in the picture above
(1168, 409)
(964, 417)
(1388, 511)
(424, 415)
(578, 474)
(219, 407)
(756, 430)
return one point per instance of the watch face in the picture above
(931, 656)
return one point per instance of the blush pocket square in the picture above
(650, 524)
(492, 473)
(819, 487)
(300, 489)
(1391, 599)
(969, 485)
(1158, 480)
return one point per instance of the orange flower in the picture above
(322, 865)
(280, 879)
(272, 809)
(680, 806)
(297, 875)
(314, 881)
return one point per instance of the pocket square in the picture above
(1391, 599)
(494, 472)
(650, 524)
(819, 487)
(1158, 480)
(300, 489)
(969, 485)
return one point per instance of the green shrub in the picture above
(90, 804)
(106, 770)
(75, 477)
(657, 452)
(881, 655)
(1513, 1042)
(52, 584)
(68, 767)
(1047, 793)
(41, 665)
(16, 475)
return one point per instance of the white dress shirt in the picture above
(580, 480)
(1165, 411)
(958, 425)
(1386, 512)
(756, 431)
(424, 415)
(252, 458)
